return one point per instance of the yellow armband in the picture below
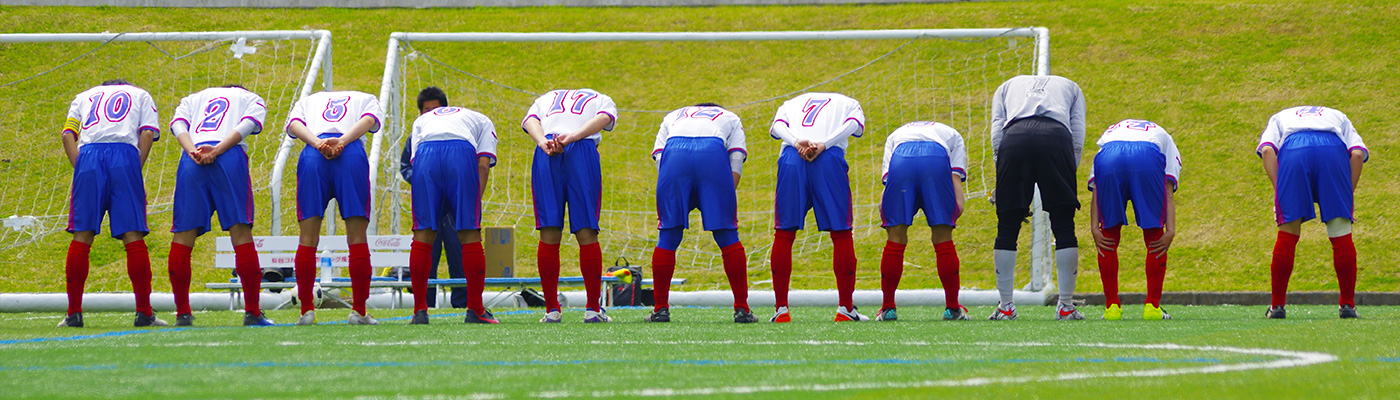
(71, 125)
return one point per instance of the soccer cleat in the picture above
(74, 320)
(661, 315)
(357, 319)
(420, 317)
(144, 320)
(553, 316)
(484, 318)
(886, 314)
(781, 315)
(1066, 312)
(956, 314)
(1114, 312)
(186, 319)
(744, 316)
(308, 318)
(1004, 312)
(600, 316)
(1276, 312)
(256, 320)
(1151, 312)
(1347, 311)
(844, 315)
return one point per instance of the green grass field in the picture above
(1219, 352)
(1209, 71)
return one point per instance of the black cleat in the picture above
(144, 320)
(184, 320)
(743, 316)
(420, 317)
(1347, 311)
(1276, 313)
(74, 320)
(484, 318)
(256, 320)
(661, 315)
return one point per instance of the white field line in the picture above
(1290, 359)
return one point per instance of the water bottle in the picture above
(327, 273)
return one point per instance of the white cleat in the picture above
(552, 317)
(781, 315)
(1066, 312)
(591, 316)
(1004, 312)
(309, 318)
(357, 319)
(851, 315)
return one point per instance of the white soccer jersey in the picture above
(456, 123)
(1026, 96)
(112, 114)
(211, 115)
(1310, 118)
(698, 121)
(1136, 130)
(925, 131)
(562, 112)
(336, 112)
(818, 117)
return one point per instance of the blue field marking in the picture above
(546, 363)
(93, 336)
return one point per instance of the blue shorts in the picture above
(1313, 167)
(920, 177)
(695, 173)
(1130, 171)
(575, 179)
(200, 190)
(107, 180)
(344, 178)
(821, 184)
(443, 182)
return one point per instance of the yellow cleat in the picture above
(1113, 312)
(1152, 313)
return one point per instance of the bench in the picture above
(385, 251)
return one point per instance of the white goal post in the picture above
(244, 52)
(393, 97)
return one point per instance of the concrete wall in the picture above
(438, 3)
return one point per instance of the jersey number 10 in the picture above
(115, 109)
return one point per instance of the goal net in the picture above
(42, 74)
(899, 76)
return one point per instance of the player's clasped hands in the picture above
(203, 155)
(809, 150)
(330, 148)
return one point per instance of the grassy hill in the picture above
(1211, 72)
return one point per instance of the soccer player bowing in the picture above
(925, 167)
(1138, 162)
(567, 125)
(443, 137)
(211, 126)
(333, 165)
(814, 128)
(1313, 155)
(692, 146)
(107, 136)
(1037, 139)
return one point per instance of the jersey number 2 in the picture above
(115, 109)
(213, 115)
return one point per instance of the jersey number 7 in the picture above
(811, 109)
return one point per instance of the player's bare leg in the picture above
(75, 271)
(1281, 268)
(474, 267)
(305, 268)
(590, 260)
(891, 268)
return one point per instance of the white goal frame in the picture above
(1042, 249)
(320, 64)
